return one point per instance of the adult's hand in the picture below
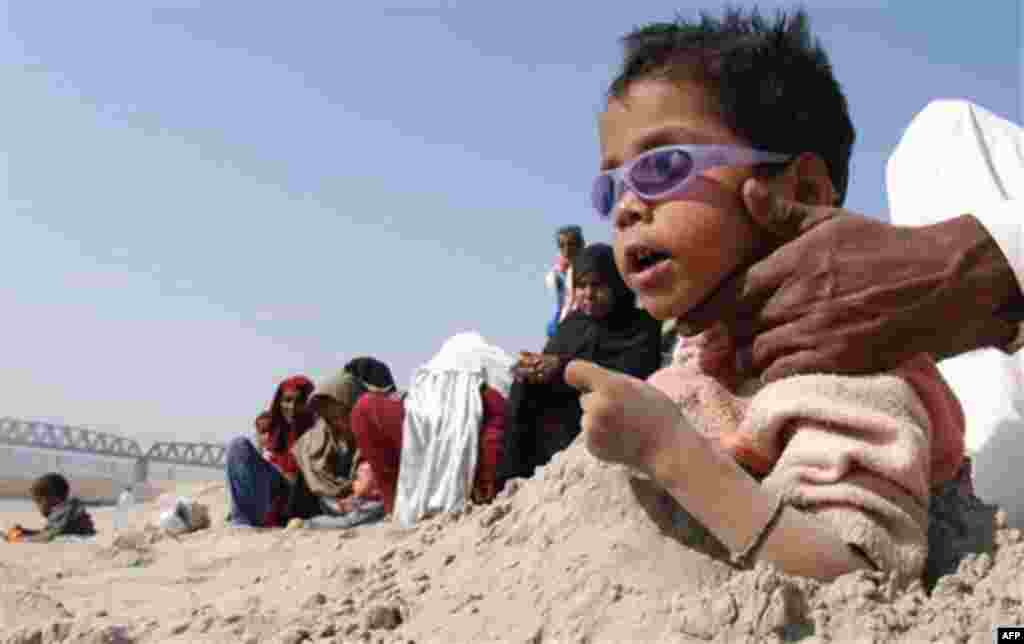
(537, 368)
(844, 293)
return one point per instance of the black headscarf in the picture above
(372, 372)
(627, 340)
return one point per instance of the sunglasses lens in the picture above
(603, 195)
(659, 172)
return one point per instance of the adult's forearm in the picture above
(980, 277)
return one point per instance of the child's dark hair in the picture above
(774, 82)
(572, 231)
(51, 486)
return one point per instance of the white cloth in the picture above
(441, 431)
(957, 158)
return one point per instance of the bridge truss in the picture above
(41, 435)
(191, 454)
(27, 433)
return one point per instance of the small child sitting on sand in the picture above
(65, 515)
(818, 475)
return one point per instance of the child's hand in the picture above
(625, 419)
(14, 534)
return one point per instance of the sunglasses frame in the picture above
(702, 158)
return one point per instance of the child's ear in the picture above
(813, 185)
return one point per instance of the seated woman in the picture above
(379, 423)
(543, 411)
(326, 455)
(260, 487)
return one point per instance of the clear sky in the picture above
(203, 198)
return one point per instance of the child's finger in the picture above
(587, 376)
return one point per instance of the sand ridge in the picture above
(582, 552)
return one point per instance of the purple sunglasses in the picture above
(667, 171)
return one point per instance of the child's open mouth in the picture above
(645, 265)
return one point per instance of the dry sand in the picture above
(583, 552)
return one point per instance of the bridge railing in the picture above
(192, 454)
(28, 433)
(37, 434)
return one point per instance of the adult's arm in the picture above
(957, 177)
(848, 294)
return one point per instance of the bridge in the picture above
(62, 439)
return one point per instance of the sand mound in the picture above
(582, 552)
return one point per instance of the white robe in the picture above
(441, 431)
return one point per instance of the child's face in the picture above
(702, 236)
(568, 245)
(45, 504)
(263, 432)
(595, 295)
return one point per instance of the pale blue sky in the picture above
(203, 198)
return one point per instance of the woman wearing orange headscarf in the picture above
(259, 486)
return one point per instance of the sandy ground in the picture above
(583, 552)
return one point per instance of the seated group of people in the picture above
(355, 449)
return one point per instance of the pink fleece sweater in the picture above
(861, 453)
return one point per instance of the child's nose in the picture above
(631, 210)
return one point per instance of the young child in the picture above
(264, 434)
(818, 475)
(65, 516)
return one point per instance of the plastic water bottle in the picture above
(121, 516)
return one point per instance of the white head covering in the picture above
(470, 352)
(953, 158)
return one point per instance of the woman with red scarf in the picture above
(259, 486)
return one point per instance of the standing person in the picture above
(259, 487)
(560, 278)
(543, 411)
